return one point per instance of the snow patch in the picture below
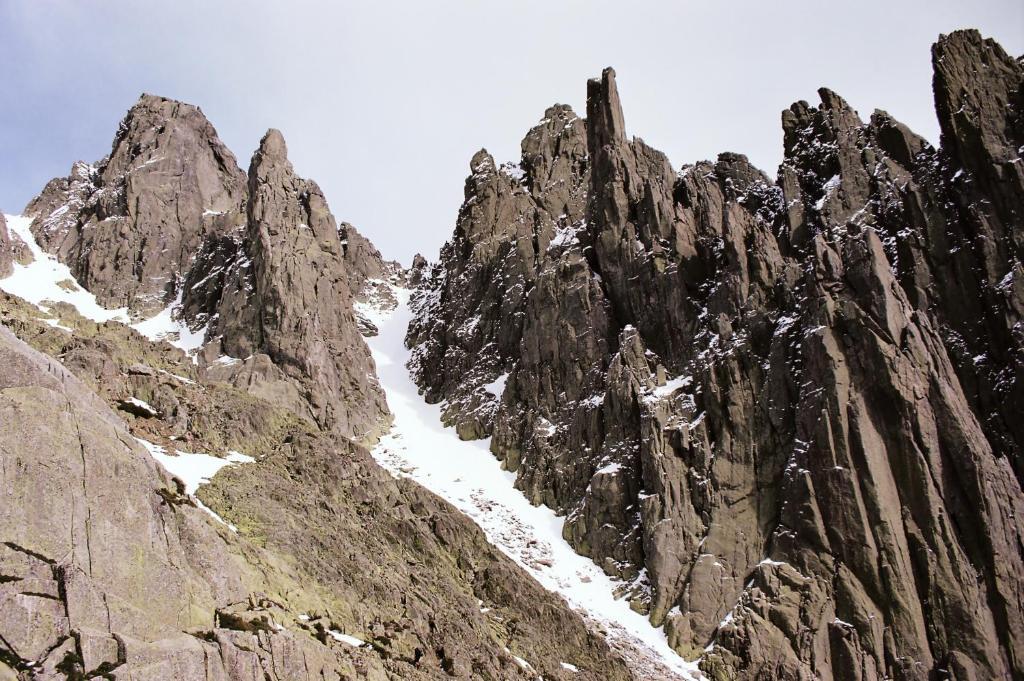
(826, 191)
(194, 470)
(143, 405)
(609, 469)
(48, 279)
(55, 323)
(497, 386)
(345, 638)
(168, 326)
(672, 385)
(238, 457)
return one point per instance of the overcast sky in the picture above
(383, 103)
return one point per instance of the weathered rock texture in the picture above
(472, 312)
(786, 413)
(108, 570)
(371, 279)
(257, 263)
(130, 225)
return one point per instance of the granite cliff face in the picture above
(785, 412)
(285, 304)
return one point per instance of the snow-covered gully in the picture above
(467, 475)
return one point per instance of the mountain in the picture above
(130, 225)
(784, 412)
(253, 264)
(185, 406)
(779, 418)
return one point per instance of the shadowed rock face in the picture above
(785, 413)
(130, 225)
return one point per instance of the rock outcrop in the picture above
(371, 279)
(785, 413)
(129, 226)
(472, 311)
(6, 255)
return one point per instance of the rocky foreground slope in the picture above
(785, 412)
(302, 558)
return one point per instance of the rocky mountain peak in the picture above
(278, 199)
(129, 225)
(482, 163)
(897, 140)
(253, 264)
(978, 98)
(555, 163)
(272, 145)
(282, 305)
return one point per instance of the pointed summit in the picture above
(273, 145)
(287, 306)
(976, 84)
(604, 110)
(129, 225)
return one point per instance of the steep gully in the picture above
(418, 446)
(464, 473)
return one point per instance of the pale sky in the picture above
(383, 103)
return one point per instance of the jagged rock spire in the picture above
(783, 412)
(604, 112)
(286, 306)
(130, 225)
(5, 249)
(979, 99)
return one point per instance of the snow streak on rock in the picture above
(46, 279)
(468, 476)
(194, 469)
